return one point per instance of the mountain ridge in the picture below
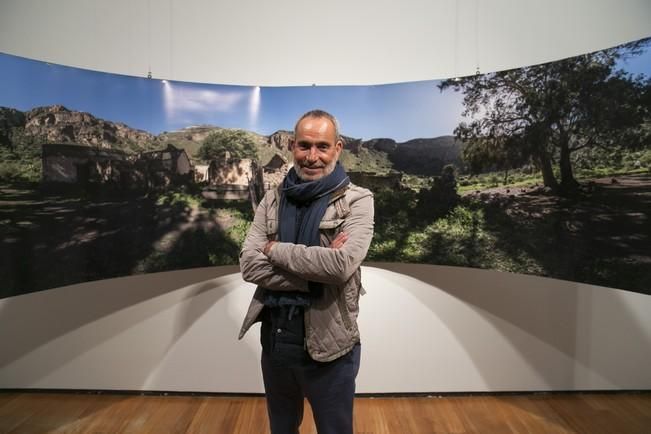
(58, 124)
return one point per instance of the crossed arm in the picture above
(254, 263)
(288, 267)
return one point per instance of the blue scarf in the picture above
(302, 206)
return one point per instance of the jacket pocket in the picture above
(329, 230)
(330, 224)
(272, 229)
(352, 294)
(343, 309)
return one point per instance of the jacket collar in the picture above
(338, 193)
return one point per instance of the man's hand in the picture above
(339, 240)
(268, 247)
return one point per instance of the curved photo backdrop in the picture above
(543, 170)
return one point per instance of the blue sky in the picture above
(399, 111)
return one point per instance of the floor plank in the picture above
(619, 413)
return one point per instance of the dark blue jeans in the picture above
(329, 388)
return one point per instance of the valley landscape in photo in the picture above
(544, 170)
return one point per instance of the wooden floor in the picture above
(550, 413)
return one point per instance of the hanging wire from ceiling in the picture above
(456, 41)
(149, 39)
(477, 71)
(171, 39)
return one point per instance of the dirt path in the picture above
(51, 240)
(601, 237)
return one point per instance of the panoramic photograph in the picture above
(542, 170)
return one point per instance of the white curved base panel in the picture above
(424, 328)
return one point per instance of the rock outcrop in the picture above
(281, 139)
(57, 124)
(381, 145)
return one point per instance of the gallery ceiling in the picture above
(293, 42)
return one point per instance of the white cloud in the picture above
(182, 101)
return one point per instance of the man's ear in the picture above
(291, 143)
(339, 146)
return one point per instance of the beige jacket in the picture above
(331, 321)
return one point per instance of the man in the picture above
(304, 252)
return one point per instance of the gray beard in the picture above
(328, 170)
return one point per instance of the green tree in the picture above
(238, 143)
(442, 197)
(20, 159)
(549, 111)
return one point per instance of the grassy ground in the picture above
(468, 184)
(602, 237)
(51, 239)
(618, 162)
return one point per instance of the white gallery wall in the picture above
(424, 328)
(293, 42)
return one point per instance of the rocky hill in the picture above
(57, 124)
(426, 156)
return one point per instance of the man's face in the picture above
(315, 148)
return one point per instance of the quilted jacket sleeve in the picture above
(326, 265)
(256, 266)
